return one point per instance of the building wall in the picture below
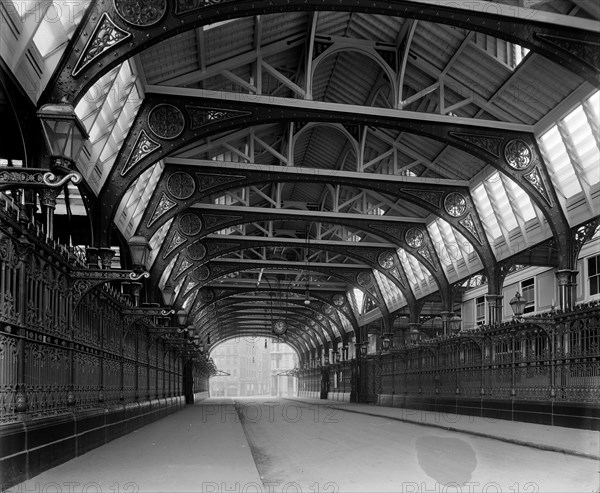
(546, 289)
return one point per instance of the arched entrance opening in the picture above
(254, 366)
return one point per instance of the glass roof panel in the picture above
(407, 267)
(189, 301)
(178, 285)
(134, 202)
(167, 272)
(107, 110)
(57, 22)
(157, 240)
(439, 244)
(420, 279)
(520, 199)
(393, 297)
(593, 103)
(346, 323)
(357, 298)
(584, 147)
(486, 213)
(499, 202)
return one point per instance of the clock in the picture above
(279, 327)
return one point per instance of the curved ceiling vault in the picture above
(285, 157)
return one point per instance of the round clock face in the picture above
(279, 327)
(414, 237)
(386, 260)
(455, 204)
(338, 299)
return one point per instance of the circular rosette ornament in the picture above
(196, 251)
(338, 299)
(181, 185)
(414, 237)
(141, 13)
(518, 154)
(190, 224)
(166, 121)
(386, 260)
(364, 279)
(455, 204)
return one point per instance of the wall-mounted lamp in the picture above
(64, 134)
(386, 341)
(454, 323)
(182, 317)
(64, 137)
(364, 348)
(140, 249)
(518, 307)
(168, 294)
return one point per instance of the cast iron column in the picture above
(567, 280)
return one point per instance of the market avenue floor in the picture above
(300, 445)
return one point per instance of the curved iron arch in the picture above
(325, 298)
(311, 337)
(394, 234)
(372, 291)
(78, 70)
(273, 309)
(292, 343)
(338, 127)
(234, 246)
(238, 313)
(263, 330)
(376, 57)
(482, 143)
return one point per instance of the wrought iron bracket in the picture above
(34, 178)
(135, 314)
(83, 280)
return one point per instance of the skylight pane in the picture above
(486, 213)
(594, 105)
(559, 163)
(56, 23)
(108, 110)
(522, 201)
(412, 279)
(392, 295)
(357, 297)
(157, 240)
(584, 143)
(439, 244)
(500, 203)
(134, 202)
(51, 33)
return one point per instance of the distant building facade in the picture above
(256, 367)
(248, 363)
(283, 359)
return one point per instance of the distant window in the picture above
(480, 310)
(528, 294)
(594, 275)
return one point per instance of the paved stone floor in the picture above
(267, 445)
